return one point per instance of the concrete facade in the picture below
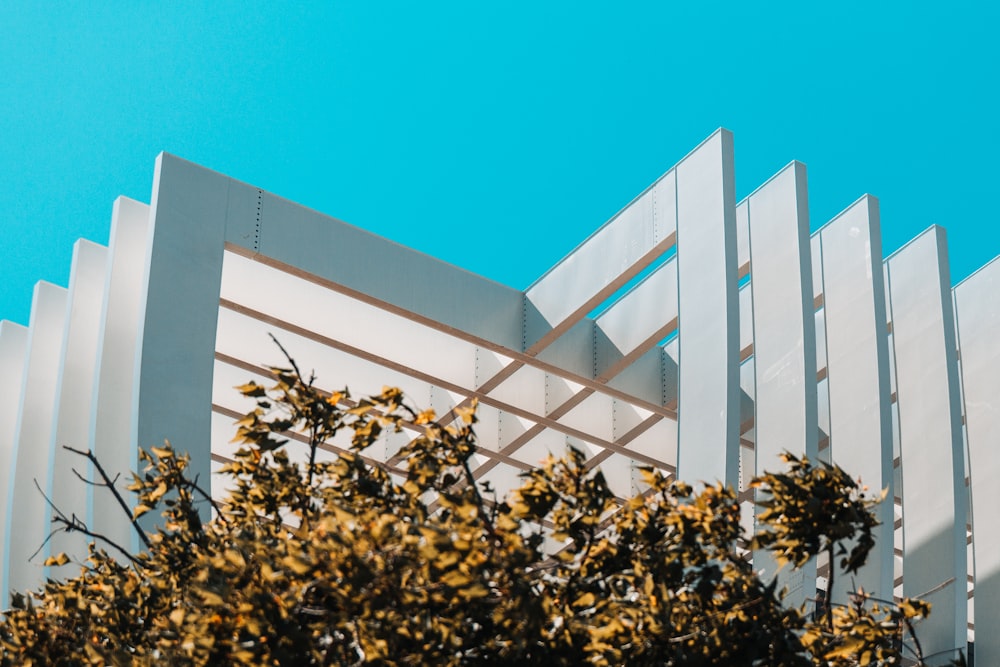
(691, 332)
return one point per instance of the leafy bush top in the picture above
(350, 562)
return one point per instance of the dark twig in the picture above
(118, 496)
(54, 509)
(291, 361)
(917, 648)
(92, 482)
(484, 516)
(313, 434)
(193, 484)
(49, 501)
(829, 587)
(79, 526)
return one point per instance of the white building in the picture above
(810, 343)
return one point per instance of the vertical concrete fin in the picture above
(708, 312)
(930, 430)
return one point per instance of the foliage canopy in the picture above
(317, 561)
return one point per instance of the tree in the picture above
(345, 561)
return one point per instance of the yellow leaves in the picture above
(425, 417)
(60, 559)
(446, 559)
(811, 509)
(455, 579)
(648, 585)
(158, 492)
(606, 631)
(847, 647)
(652, 478)
(94, 656)
(473, 591)
(391, 396)
(251, 389)
(296, 565)
(348, 561)
(467, 412)
(165, 452)
(812, 635)
(362, 408)
(248, 426)
(210, 598)
(506, 523)
(235, 558)
(564, 555)
(914, 608)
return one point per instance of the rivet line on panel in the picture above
(256, 234)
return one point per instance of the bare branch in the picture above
(917, 648)
(118, 496)
(55, 509)
(935, 589)
(193, 484)
(291, 361)
(77, 525)
(92, 482)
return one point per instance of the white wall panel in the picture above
(784, 339)
(572, 351)
(659, 441)
(817, 268)
(625, 417)
(558, 391)
(820, 323)
(76, 387)
(930, 428)
(746, 320)
(978, 323)
(603, 263)
(13, 359)
(293, 300)
(708, 333)
(528, 389)
(743, 235)
(594, 415)
(488, 364)
(636, 322)
(246, 339)
(27, 512)
(180, 306)
(282, 231)
(857, 372)
(643, 378)
(110, 434)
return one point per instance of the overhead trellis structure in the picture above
(691, 332)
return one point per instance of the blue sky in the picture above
(492, 135)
